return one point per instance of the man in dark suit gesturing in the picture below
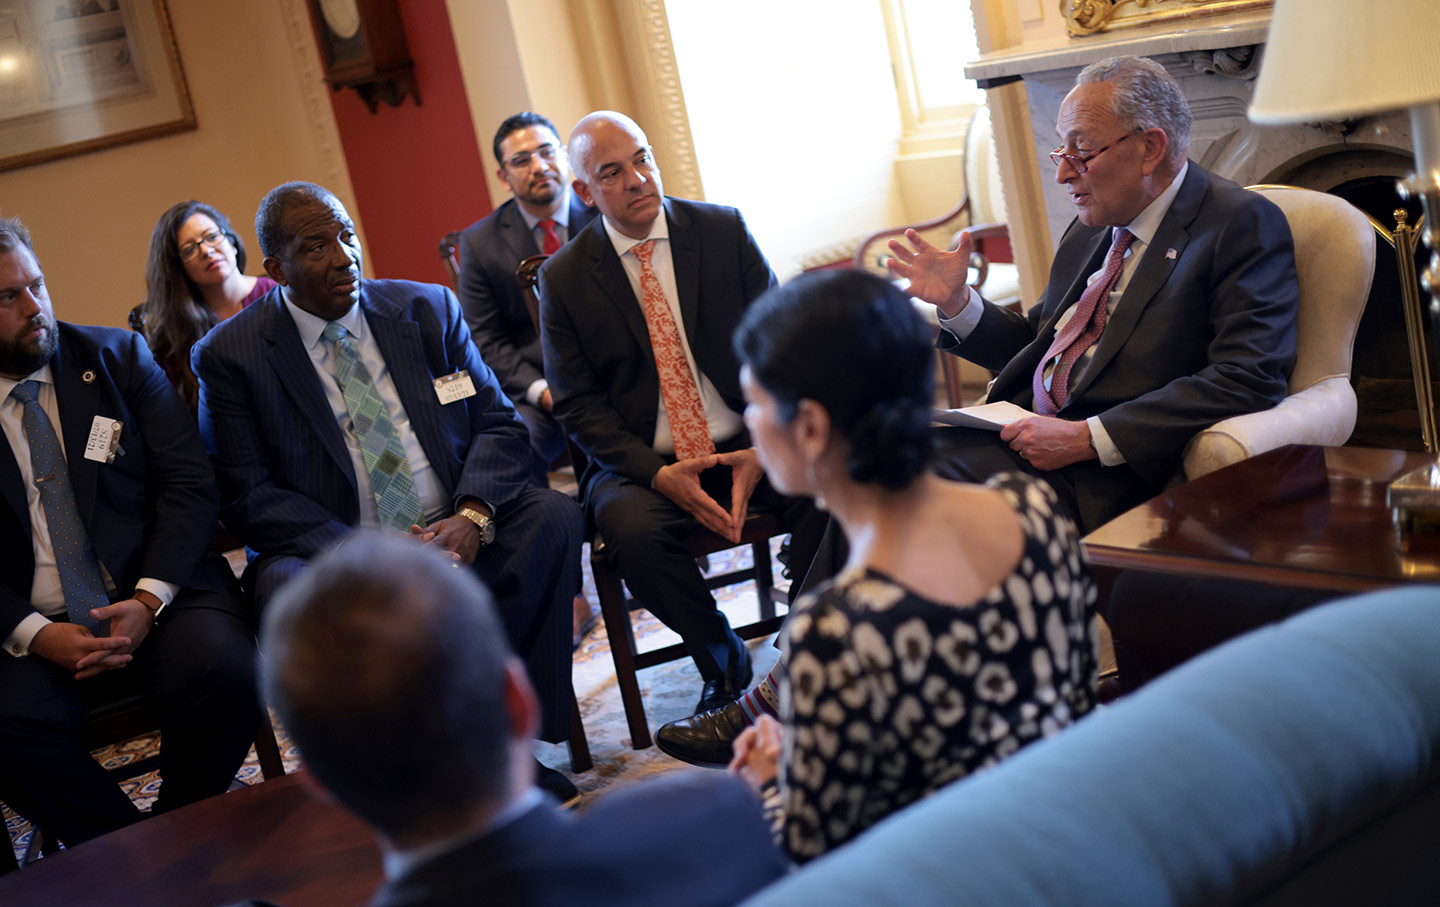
(107, 585)
(637, 312)
(449, 794)
(540, 218)
(1171, 305)
(336, 402)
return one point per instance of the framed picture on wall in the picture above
(81, 75)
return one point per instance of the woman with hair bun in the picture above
(194, 279)
(962, 626)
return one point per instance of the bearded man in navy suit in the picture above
(293, 448)
(540, 218)
(108, 586)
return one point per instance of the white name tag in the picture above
(454, 387)
(104, 440)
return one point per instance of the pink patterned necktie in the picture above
(677, 383)
(1080, 332)
(552, 239)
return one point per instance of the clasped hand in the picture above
(74, 648)
(1049, 443)
(680, 482)
(757, 753)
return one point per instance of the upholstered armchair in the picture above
(1335, 258)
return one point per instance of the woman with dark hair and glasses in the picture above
(194, 279)
(961, 628)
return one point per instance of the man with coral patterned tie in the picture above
(637, 312)
(1171, 305)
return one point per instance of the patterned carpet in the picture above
(670, 691)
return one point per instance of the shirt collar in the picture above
(41, 374)
(400, 862)
(561, 215)
(311, 326)
(660, 229)
(1145, 224)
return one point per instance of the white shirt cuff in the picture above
(965, 320)
(18, 642)
(533, 392)
(164, 591)
(1110, 455)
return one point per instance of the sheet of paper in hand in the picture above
(989, 416)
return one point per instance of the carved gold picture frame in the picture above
(80, 75)
(1089, 17)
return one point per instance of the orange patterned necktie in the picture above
(677, 383)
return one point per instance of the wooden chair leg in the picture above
(622, 647)
(580, 760)
(764, 574)
(267, 749)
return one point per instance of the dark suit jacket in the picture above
(597, 349)
(1198, 337)
(152, 512)
(490, 249)
(286, 479)
(696, 839)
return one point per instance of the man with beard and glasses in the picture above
(337, 402)
(108, 586)
(539, 219)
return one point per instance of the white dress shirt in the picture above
(723, 421)
(433, 500)
(1143, 228)
(46, 596)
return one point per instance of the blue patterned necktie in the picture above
(390, 478)
(80, 578)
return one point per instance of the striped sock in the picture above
(764, 697)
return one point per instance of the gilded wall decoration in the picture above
(1088, 17)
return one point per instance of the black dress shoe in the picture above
(556, 784)
(720, 692)
(703, 739)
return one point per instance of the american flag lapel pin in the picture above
(1170, 254)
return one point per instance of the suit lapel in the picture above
(399, 341)
(288, 357)
(1150, 275)
(12, 486)
(79, 402)
(685, 254)
(518, 238)
(614, 284)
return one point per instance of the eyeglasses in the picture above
(524, 159)
(1081, 162)
(213, 239)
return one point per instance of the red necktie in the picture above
(552, 242)
(677, 383)
(1080, 332)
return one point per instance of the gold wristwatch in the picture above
(484, 523)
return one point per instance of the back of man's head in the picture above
(388, 668)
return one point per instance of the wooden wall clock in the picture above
(362, 43)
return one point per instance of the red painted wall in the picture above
(418, 172)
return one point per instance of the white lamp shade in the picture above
(1334, 59)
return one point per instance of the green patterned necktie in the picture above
(390, 476)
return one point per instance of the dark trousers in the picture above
(533, 570)
(196, 668)
(645, 532)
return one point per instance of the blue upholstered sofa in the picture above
(1294, 765)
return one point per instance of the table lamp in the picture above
(1343, 59)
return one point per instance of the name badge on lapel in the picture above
(104, 440)
(454, 387)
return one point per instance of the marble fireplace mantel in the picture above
(1215, 64)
